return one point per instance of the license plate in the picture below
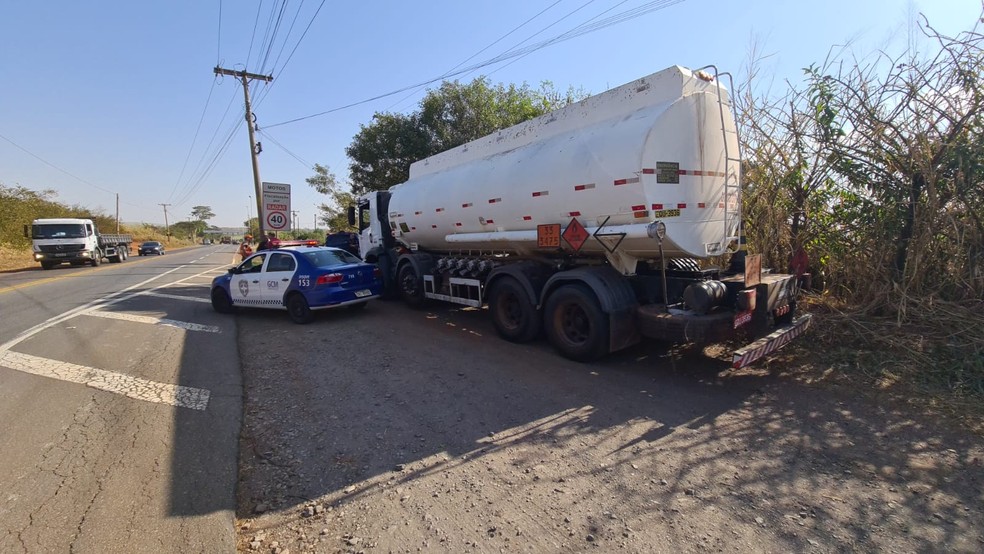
(363, 293)
(742, 319)
(60, 255)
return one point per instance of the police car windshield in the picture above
(331, 258)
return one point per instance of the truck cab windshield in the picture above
(58, 231)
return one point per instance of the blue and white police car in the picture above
(297, 277)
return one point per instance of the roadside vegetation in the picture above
(871, 165)
(874, 167)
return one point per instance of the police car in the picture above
(297, 277)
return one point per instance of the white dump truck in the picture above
(75, 241)
(589, 223)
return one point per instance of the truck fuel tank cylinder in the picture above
(703, 296)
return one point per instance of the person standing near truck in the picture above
(269, 242)
(244, 248)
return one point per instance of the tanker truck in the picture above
(589, 224)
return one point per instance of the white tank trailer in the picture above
(587, 224)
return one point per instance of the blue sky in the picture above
(112, 92)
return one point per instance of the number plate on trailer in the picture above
(742, 318)
(363, 293)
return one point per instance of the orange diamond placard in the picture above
(575, 234)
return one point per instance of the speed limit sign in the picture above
(276, 206)
(276, 220)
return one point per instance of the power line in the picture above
(581, 25)
(194, 140)
(66, 172)
(573, 33)
(473, 56)
(218, 45)
(305, 163)
(263, 94)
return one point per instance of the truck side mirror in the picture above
(351, 216)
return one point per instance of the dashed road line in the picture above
(154, 321)
(126, 385)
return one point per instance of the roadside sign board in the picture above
(276, 206)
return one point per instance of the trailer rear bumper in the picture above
(771, 342)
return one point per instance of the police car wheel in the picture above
(221, 301)
(298, 309)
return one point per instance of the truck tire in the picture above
(514, 316)
(298, 309)
(575, 323)
(115, 258)
(96, 258)
(411, 286)
(47, 265)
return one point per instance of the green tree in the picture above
(201, 215)
(333, 212)
(455, 113)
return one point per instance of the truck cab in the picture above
(75, 241)
(370, 214)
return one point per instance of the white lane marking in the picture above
(115, 298)
(126, 385)
(108, 301)
(154, 321)
(176, 297)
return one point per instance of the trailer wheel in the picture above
(96, 258)
(575, 324)
(411, 286)
(221, 302)
(513, 314)
(298, 309)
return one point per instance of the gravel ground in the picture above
(393, 430)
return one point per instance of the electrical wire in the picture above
(573, 33)
(283, 68)
(269, 137)
(473, 56)
(194, 140)
(582, 24)
(66, 172)
(218, 42)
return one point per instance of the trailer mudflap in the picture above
(771, 342)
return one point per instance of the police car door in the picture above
(276, 278)
(244, 287)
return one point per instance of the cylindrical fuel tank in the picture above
(653, 149)
(702, 297)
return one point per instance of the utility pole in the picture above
(293, 221)
(117, 213)
(167, 228)
(245, 77)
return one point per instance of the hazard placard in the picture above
(548, 236)
(575, 234)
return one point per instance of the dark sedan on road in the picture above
(151, 247)
(298, 279)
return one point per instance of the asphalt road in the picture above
(120, 402)
(400, 430)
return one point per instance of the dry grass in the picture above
(933, 358)
(14, 259)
